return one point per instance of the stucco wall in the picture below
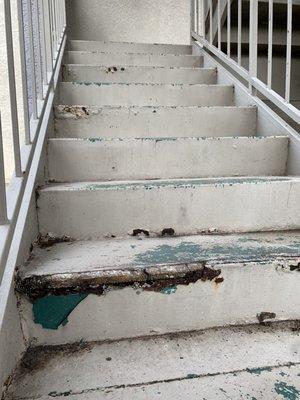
(145, 21)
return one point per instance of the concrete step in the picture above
(148, 286)
(226, 363)
(88, 73)
(188, 206)
(127, 47)
(135, 94)
(71, 160)
(87, 122)
(126, 59)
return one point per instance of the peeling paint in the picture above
(258, 371)
(286, 391)
(264, 316)
(52, 311)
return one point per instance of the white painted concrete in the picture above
(145, 94)
(147, 21)
(91, 210)
(136, 59)
(136, 253)
(71, 160)
(166, 368)
(96, 74)
(119, 47)
(155, 121)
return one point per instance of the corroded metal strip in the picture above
(152, 278)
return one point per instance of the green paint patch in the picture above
(52, 311)
(286, 391)
(258, 371)
(169, 290)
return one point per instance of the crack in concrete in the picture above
(192, 376)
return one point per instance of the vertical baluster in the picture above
(43, 42)
(239, 32)
(39, 53)
(48, 38)
(32, 60)
(228, 27)
(23, 72)
(219, 25)
(253, 41)
(12, 88)
(192, 15)
(270, 44)
(3, 205)
(197, 17)
(202, 20)
(210, 22)
(288, 52)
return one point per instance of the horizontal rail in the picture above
(41, 46)
(212, 39)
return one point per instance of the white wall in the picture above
(152, 21)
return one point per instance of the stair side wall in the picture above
(147, 21)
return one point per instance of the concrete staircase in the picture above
(164, 211)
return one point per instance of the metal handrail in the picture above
(206, 23)
(40, 58)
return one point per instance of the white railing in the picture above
(212, 28)
(41, 41)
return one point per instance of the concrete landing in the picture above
(254, 362)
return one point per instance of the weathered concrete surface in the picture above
(133, 59)
(190, 206)
(230, 363)
(135, 94)
(117, 47)
(158, 285)
(87, 122)
(149, 21)
(71, 160)
(130, 74)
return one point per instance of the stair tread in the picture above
(132, 53)
(240, 362)
(125, 260)
(157, 183)
(170, 138)
(159, 67)
(64, 108)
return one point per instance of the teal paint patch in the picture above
(169, 290)
(192, 252)
(165, 253)
(53, 311)
(286, 391)
(258, 371)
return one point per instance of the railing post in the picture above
(3, 205)
(12, 88)
(23, 72)
(288, 51)
(253, 42)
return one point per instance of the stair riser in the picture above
(145, 95)
(95, 211)
(78, 73)
(247, 291)
(79, 160)
(156, 122)
(82, 45)
(115, 59)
